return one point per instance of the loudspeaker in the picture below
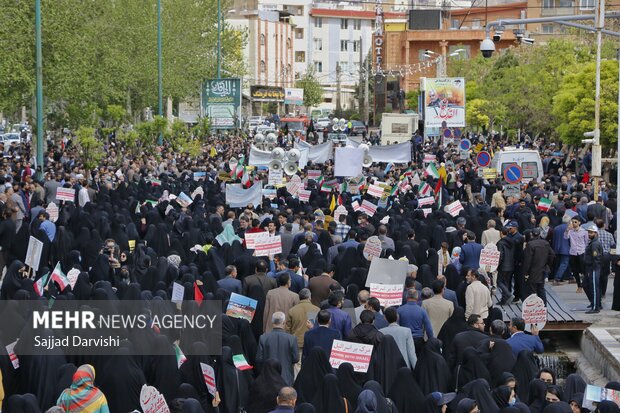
(275, 165)
(290, 168)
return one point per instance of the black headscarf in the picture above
(479, 390)
(328, 398)
(234, 385)
(430, 405)
(121, 381)
(465, 405)
(348, 386)
(501, 360)
(382, 403)
(366, 402)
(431, 370)
(453, 325)
(605, 406)
(537, 391)
(563, 407)
(12, 280)
(161, 371)
(574, 384)
(385, 361)
(314, 368)
(23, 403)
(501, 395)
(405, 391)
(266, 387)
(471, 368)
(525, 370)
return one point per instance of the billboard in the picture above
(221, 101)
(444, 104)
(293, 96)
(267, 93)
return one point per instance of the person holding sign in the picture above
(538, 258)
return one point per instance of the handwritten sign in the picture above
(209, 376)
(252, 238)
(72, 276)
(429, 200)
(275, 176)
(372, 248)
(454, 208)
(152, 401)
(375, 190)
(65, 194)
(387, 294)
(240, 306)
(355, 353)
(267, 246)
(33, 254)
(489, 258)
(534, 311)
(10, 350)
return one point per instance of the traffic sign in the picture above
(484, 159)
(457, 133)
(465, 144)
(513, 174)
(447, 133)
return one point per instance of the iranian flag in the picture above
(60, 278)
(439, 193)
(425, 189)
(394, 190)
(179, 355)
(544, 204)
(237, 173)
(240, 362)
(431, 170)
(41, 283)
(246, 181)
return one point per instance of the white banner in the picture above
(348, 162)
(399, 153)
(293, 96)
(316, 153)
(238, 197)
(258, 157)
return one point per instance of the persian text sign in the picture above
(489, 258)
(534, 311)
(387, 294)
(444, 104)
(355, 353)
(221, 100)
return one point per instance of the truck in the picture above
(528, 159)
(398, 127)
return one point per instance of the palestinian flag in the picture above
(431, 170)
(439, 193)
(425, 189)
(41, 283)
(60, 278)
(544, 204)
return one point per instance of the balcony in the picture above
(556, 11)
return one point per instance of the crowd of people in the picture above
(446, 347)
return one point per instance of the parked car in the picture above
(358, 128)
(254, 122)
(9, 138)
(322, 123)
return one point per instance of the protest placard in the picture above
(596, 394)
(355, 205)
(184, 200)
(387, 294)
(489, 173)
(33, 254)
(52, 211)
(304, 195)
(314, 174)
(386, 271)
(252, 237)
(368, 207)
(372, 248)
(454, 208)
(152, 401)
(65, 194)
(199, 175)
(355, 353)
(177, 293)
(72, 276)
(489, 258)
(348, 161)
(208, 373)
(10, 350)
(429, 157)
(512, 190)
(269, 193)
(429, 200)
(375, 190)
(534, 311)
(427, 211)
(268, 246)
(240, 306)
(275, 176)
(198, 191)
(294, 185)
(341, 210)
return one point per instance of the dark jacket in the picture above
(464, 339)
(506, 246)
(365, 334)
(538, 257)
(594, 254)
(320, 337)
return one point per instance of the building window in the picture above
(548, 4)
(299, 33)
(357, 46)
(475, 24)
(344, 67)
(586, 4)
(300, 57)
(566, 3)
(318, 67)
(455, 23)
(297, 75)
(318, 44)
(357, 24)
(262, 39)
(344, 23)
(547, 28)
(344, 45)
(318, 22)
(300, 10)
(262, 66)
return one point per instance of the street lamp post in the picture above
(39, 70)
(219, 38)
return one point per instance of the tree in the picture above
(313, 91)
(91, 150)
(474, 114)
(412, 99)
(573, 104)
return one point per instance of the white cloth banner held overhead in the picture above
(399, 153)
(348, 162)
(238, 197)
(316, 153)
(258, 157)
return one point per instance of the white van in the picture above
(528, 159)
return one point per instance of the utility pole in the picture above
(39, 69)
(596, 144)
(366, 94)
(160, 87)
(219, 38)
(361, 91)
(338, 104)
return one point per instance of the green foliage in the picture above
(202, 128)
(105, 54)
(313, 91)
(574, 103)
(475, 116)
(91, 149)
(411, 99)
